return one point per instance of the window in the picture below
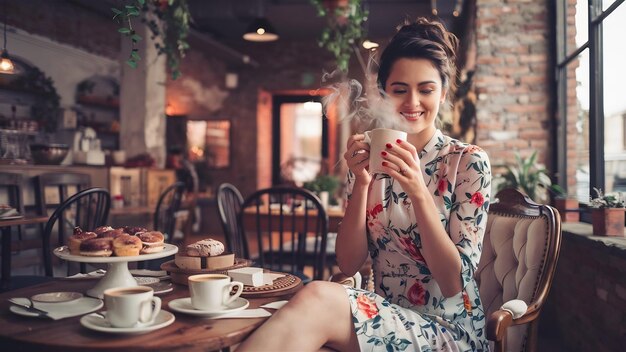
(590, 103)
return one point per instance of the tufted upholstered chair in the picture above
(520, 252)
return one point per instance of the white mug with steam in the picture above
(377, 139)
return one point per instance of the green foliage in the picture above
(167, 19)
(528, 177)
(558, 191)
(45, 109)
(606, 200)
(344, 30)
(323, 183)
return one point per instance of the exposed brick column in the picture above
(512, 79)
(142, 98)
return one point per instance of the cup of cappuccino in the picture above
(378, 139)
(131, 306)
(212, 292)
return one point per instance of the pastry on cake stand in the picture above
(117, 274)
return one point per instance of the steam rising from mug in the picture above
(366, 108)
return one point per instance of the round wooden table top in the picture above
(188, 333)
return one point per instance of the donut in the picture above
(205, 248)
(133, 230)
(96, 247)
(77, 238)
(102, 229)
(112, 234)
(152, 241)
(126, 245)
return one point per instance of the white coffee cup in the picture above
(131, 306)
(212, 292)
(378, 139)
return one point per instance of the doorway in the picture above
(301, 139)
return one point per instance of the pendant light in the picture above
(6, 65)
(260, 30)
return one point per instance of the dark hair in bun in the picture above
(422, 39)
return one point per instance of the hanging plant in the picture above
(344, 29)
(166, 19)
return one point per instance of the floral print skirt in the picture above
(383, 326)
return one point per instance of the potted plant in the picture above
(607, 214)
(324, 186)
(565, 204)
(528, 177)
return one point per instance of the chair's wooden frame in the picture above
(94, 218)
(513, 203)
(290, 230)
(229, 201)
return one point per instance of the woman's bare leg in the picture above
(319, 315)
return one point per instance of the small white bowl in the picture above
(56, 297)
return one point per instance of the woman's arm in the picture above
(351, 245)
(438, 250)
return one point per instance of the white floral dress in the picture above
(408, 311)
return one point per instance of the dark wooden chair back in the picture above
(12, 184)
(12, 187)
(520, 252)
(281, 218)
(64, 185)
(229, 201)
(88, 209)
(165, 214)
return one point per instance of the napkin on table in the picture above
(247, 313)
(274, 305)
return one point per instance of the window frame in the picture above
(594, 45)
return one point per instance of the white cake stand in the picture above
(117, 274)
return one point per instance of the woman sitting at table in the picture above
(423, 222)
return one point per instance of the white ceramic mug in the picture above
(212, 292)
(131, 306)
(377, 139)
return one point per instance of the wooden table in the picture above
(5, 227)
(187, 333)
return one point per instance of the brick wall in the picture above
(282, 66)
(586, 308)
(513, 79)
(66, 23)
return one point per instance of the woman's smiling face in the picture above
(414, 86)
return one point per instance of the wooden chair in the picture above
(164, 220)
(281, 218)
(168, 205)
(229, 201)
(11, 184)
(520, 252)
(88, 209)
(64, 185)
(11, 187)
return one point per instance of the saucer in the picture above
(56, 297)
(98, 323)
(183, 305)
(61, 310)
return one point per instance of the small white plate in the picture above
(183, 305)
(161, 287)
(62, 310)
(56, 297)
(142, 280)
(98, 323)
